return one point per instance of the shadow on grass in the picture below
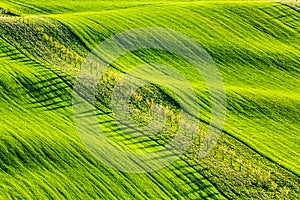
(197, 185)
(46, 90)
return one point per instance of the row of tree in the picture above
(7, 12)
(64, 53)
(36, 35)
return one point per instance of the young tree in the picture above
(223, 150)
(284, 191)
(77, 60)
(257, 175)
(248, 168)
(273, 186)
(266, 178)
(63, 52)
(232, 154)
(240, 162)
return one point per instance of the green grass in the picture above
(253, 50)
(42, 156)
(256, 46)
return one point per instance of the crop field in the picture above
(255, 46)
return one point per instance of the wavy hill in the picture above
(256, 46)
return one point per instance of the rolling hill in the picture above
(256, 47)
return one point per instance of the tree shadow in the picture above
(193, 180)
(46, 90)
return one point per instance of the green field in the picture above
(256, 47)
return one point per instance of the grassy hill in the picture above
(256, 46)
(42, 156)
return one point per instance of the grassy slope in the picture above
(40, 147)
(256, 47)
(252, 94)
